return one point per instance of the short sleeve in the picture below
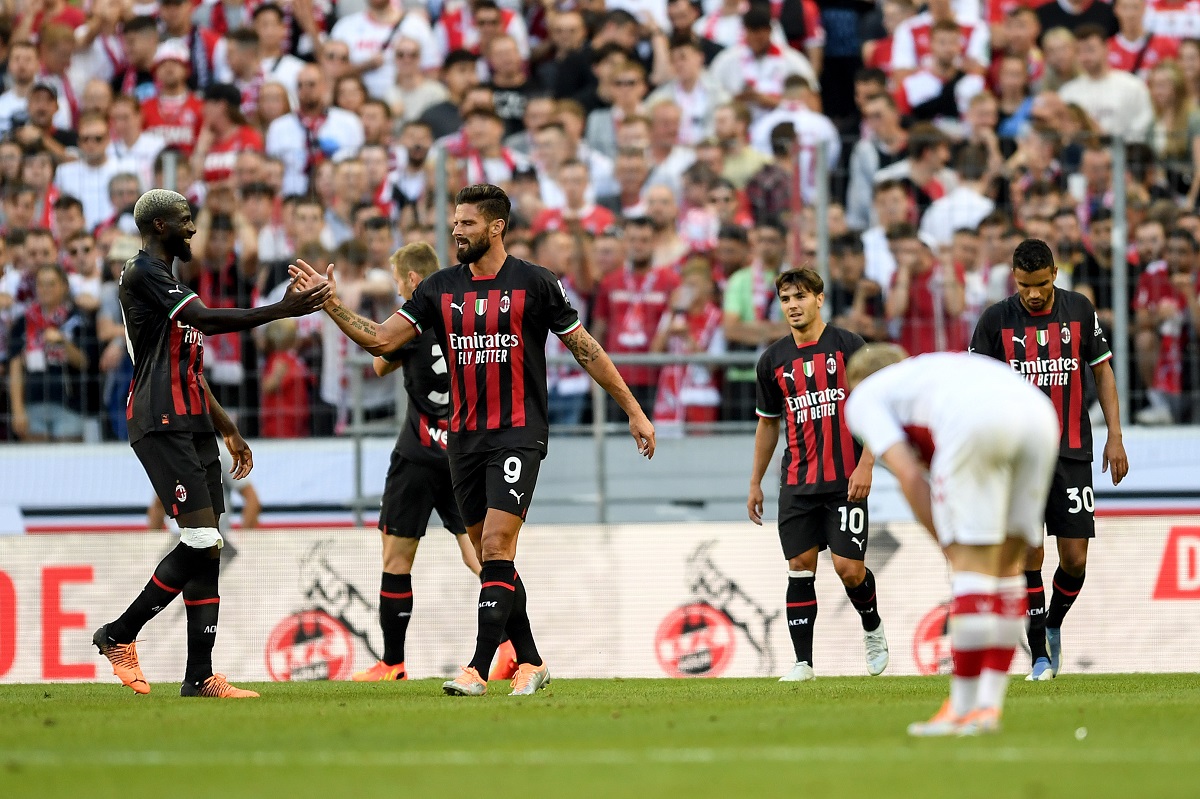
(870, 419)
(983, 340)
(421, 308)
(768, 401)
(1095, 348)
(561, 317)
(158, 289)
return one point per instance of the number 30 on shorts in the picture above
(853, 519)
(1081, 499)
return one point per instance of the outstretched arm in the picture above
(592, 357)
(214, 321)
(377, 338)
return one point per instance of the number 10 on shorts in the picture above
(853, 520)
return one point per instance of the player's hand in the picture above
(239, 450)
(643, 434)
(860, 483)
(754, 504)
(1114, 456)
(306, 276)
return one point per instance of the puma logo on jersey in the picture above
(513, 491)
(175, 290)
(458, 306)
(860, 543)
(790, 375)
(1020, 340)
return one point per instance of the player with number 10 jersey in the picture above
(825, 475)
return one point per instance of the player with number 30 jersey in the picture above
(1049, 336)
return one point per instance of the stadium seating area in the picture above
(677, 133)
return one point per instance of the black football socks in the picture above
(1066, 590)
(862, 597)
(802, 613)
(518, 629)
(395, 610)
(497, 592)
(1035, 594)
(168, 580)
(203, 604)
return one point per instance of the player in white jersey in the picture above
(973, 447)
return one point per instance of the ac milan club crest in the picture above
(180, 492)
(831, 365)
(505, 302)
(1065, 334)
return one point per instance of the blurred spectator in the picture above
(1077, 14)
(88, 178)
(741, 162)
(940, 88)
(115, 365)
(1062, 59)
(749, 297)
(130, 140)
(23, 67)
(313, 133)
(369, 35)
(912, 44)
(286, 384)
(886, 144)
(752, 71)
(629, 90)
(689, 393)
(1117, 101)
(892, 206)
(770, 192)
(458, 76)
(812, 130)
(663, 213)
(137, 78)
(412, 93)
(855, 301)
(630, 302)
(47, 356)
(925, 300)
(1134, 49)
(174, 113)
(924, 171)
(966, 205)
(693, 89)
(1166, 296)
(877, 53)
(279, 65)
(42, 129)
(577, 210)
(224, 135)
(1174, 135)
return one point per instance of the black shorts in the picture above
(185, 470)
(822, 520)
(412, 492)
(502, 479)
(1071, 506)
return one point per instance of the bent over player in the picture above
(1048, 336)
(825, 475)
(172, 415)
(492, 313)
(973, 449)
(418, 477)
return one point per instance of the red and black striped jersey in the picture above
(493, 331)
(166, 394)
(1050, 350)
(805, 385)
(427, 383)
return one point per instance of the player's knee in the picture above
(1034, 557)
(1073, 563)
(850, 572)
(200, 538)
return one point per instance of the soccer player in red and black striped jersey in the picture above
(1049, 336)
(492, 313)
(825, 475)
(172, 416)
(418, 478)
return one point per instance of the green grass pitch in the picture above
(601, 738)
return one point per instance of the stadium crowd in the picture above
(660, 154)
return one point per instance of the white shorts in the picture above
(991, 483)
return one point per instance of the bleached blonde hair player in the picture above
(973, 447)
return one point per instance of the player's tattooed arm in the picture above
(375, 337)
(343, 314)
(592, 357)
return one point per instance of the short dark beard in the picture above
(474, 251)
(176, 247)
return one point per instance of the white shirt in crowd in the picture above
(13, 105)
(90, 185)
(143, 152)
(1118, 102)
(908, 32)
(880, 263)
(963, 207)
(367, 38)
(737, 69)
(812, 130)
(288, 140)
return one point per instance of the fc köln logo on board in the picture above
(480, 307)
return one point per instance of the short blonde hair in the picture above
(871, 359)
(416, 257)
